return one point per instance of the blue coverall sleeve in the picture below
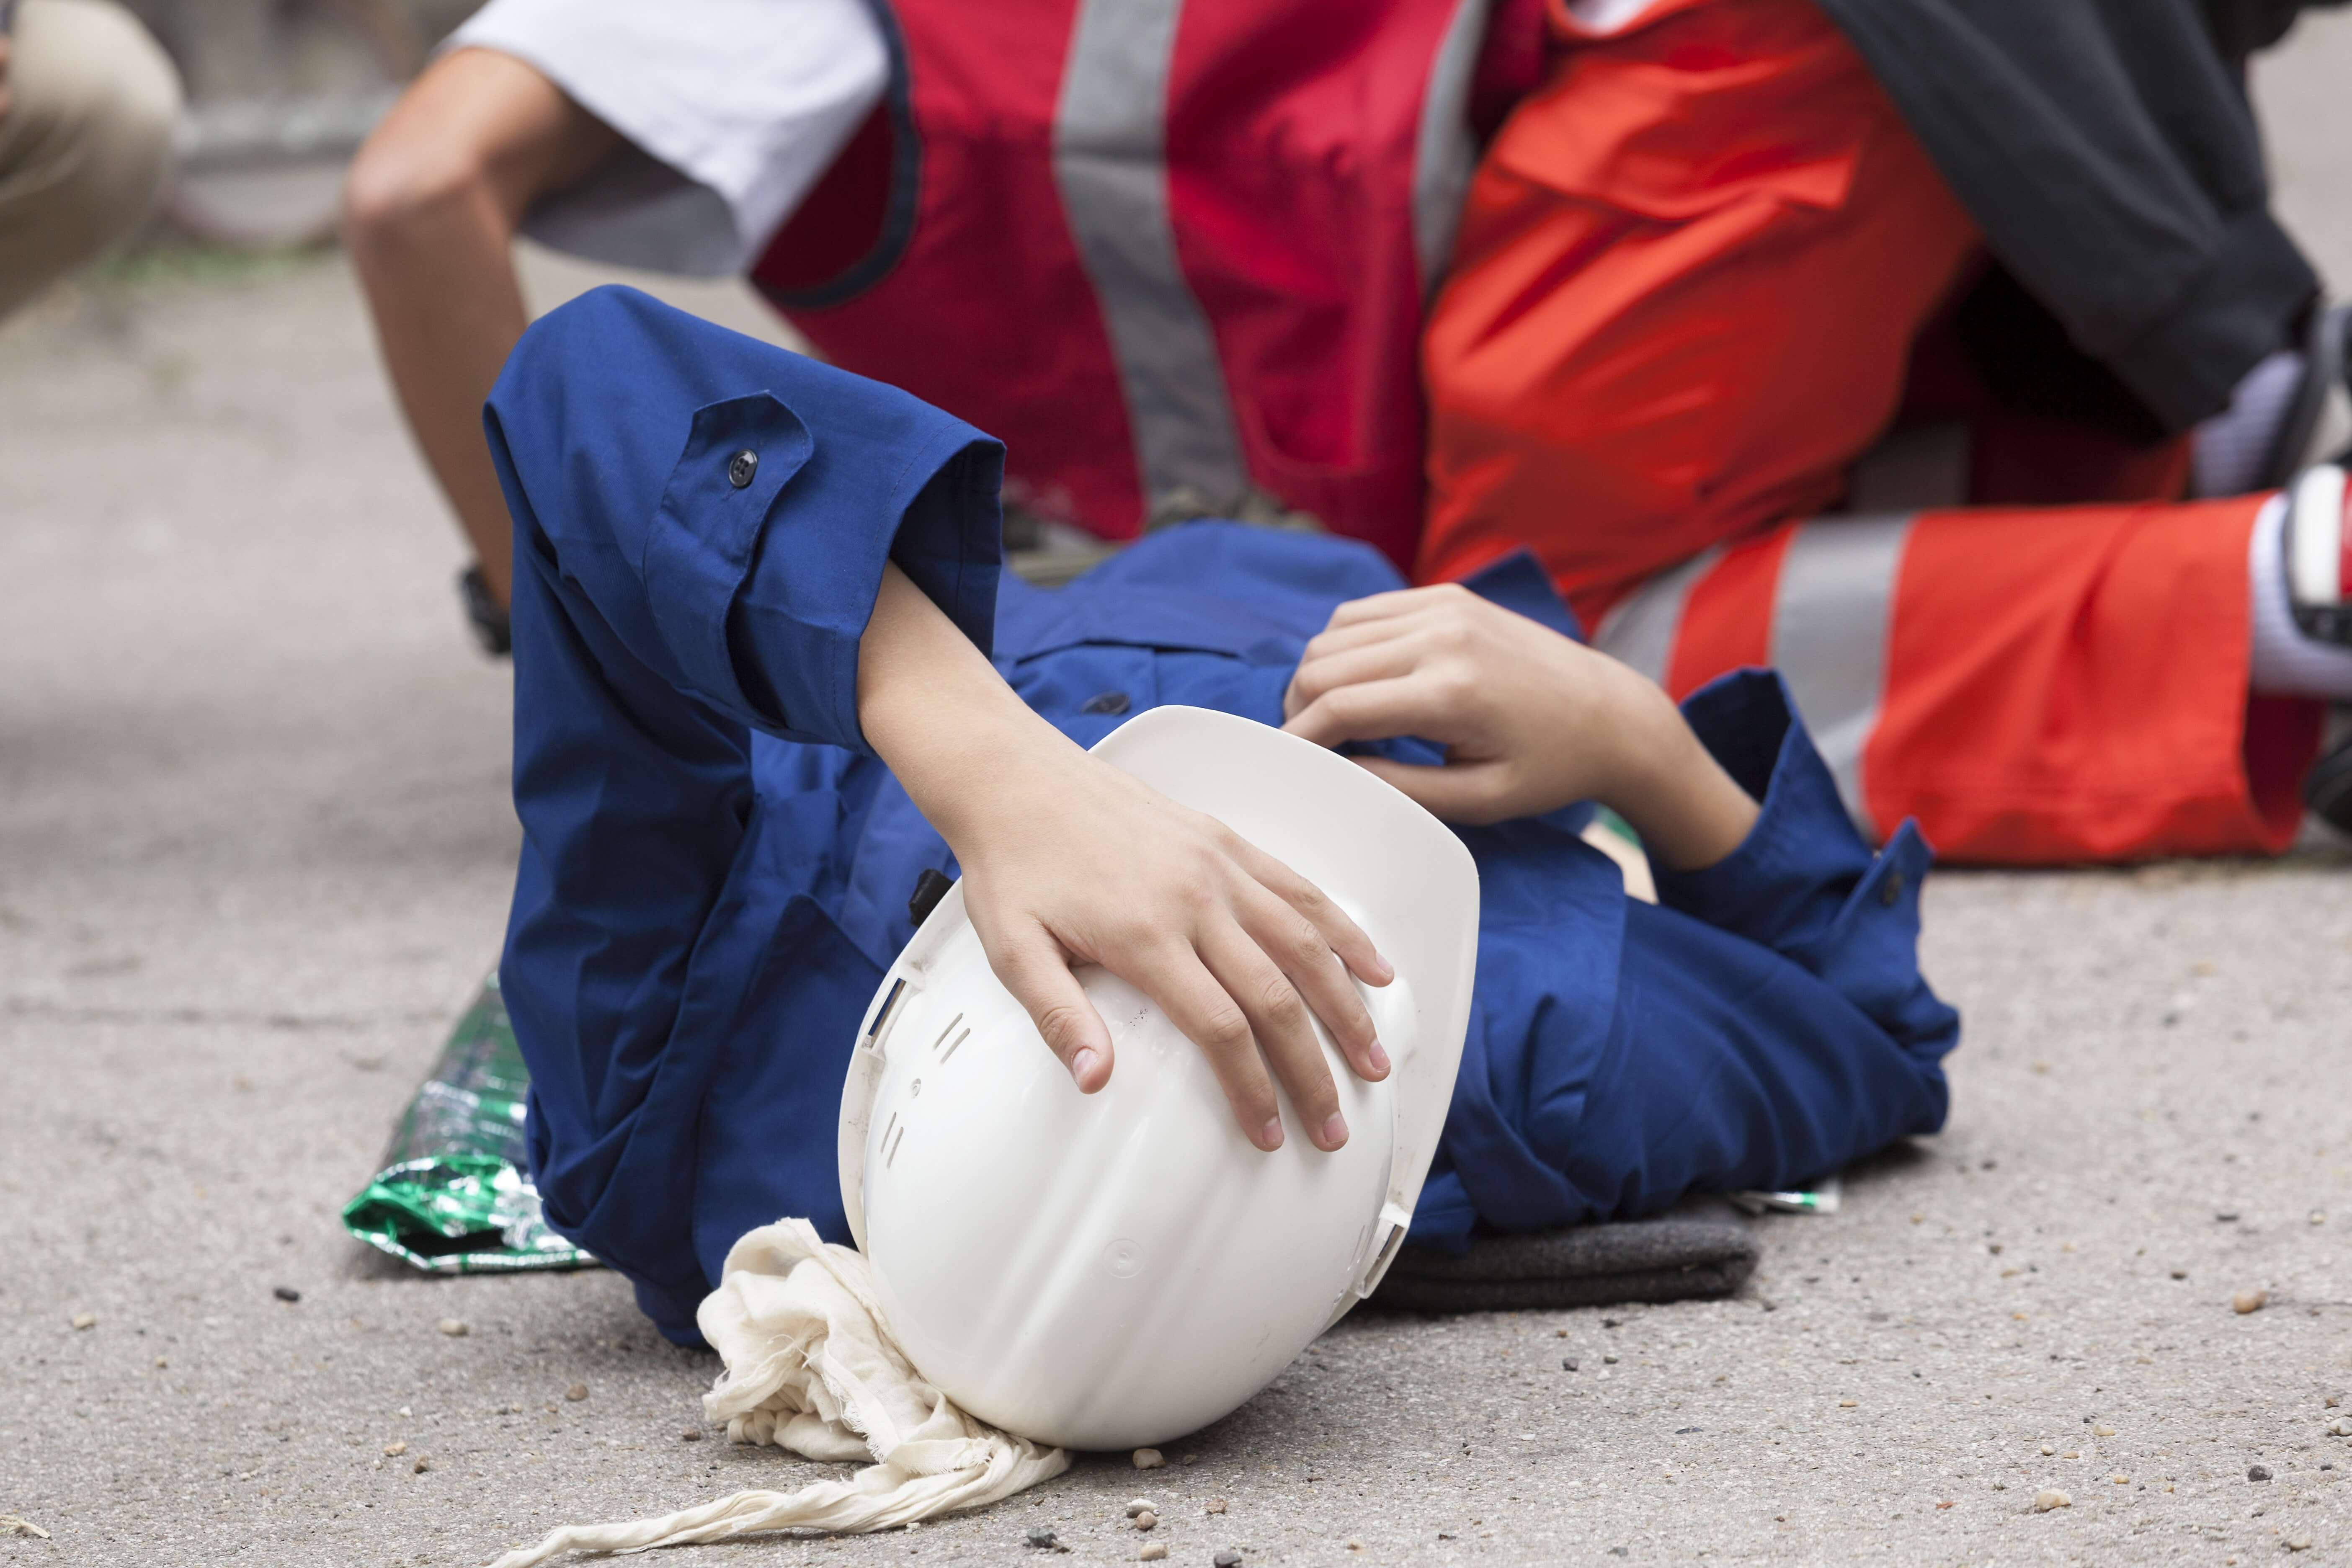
(726, 506)
(1766, 1020)
(701, 524)
(1803, 884)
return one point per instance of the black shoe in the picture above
(484, 614)
(2328, 788)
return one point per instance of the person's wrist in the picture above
(980, 768)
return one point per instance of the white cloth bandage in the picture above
(811, 1366)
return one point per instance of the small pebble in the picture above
(2340, 1427)
(285, 1293)
(1140, 1505)
(2226, 1216)
(422, 1465)
(1189, 1459)
(691, 1435)
(394, 1450)
(2181, 1274)
(2298, 1544)
(2043, 1502)
(1848, 1404)
(1146, 1520)
(1041, 1537)
(2246, 1301)
(2103, 1430)
(1567, 1363)
(2258, 1472)
(1609, 1359)
(84, 1320)
(1216, 1505)
(1153, 1551)
(2048, 1448)
(1149, 1460)
(2120, 1480)
(1227, 1560)
(453, 1327)
(2317, 1217)
(2071, 1453)
(577, 1392)
(160, 1363)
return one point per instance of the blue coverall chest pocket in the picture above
(740, 455)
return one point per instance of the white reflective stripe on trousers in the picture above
(1829, 618)
(1641, 631)
(1832, 606)
(1109, 138)
(1444, 151)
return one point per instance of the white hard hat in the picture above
(1114, 1270)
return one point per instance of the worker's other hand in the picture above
(1071, 861)
(1529, 720)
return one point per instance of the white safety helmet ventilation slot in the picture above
(1113, 1271)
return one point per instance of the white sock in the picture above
(2286, 663)
(2227, 452)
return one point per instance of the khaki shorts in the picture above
(86, 140)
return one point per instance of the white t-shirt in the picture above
(732, 109)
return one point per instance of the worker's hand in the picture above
(1529, 720)
(1079, 863)
(1066, 860)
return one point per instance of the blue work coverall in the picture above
(715, 870)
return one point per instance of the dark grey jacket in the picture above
(2107, 151)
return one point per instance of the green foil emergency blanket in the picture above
(454, 1195)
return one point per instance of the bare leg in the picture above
(429, 214)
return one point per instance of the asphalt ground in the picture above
(255, 845)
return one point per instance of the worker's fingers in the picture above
(1383, 660)
(1472, 794)
(1433, 708)
(1034, 967)
(1341, 933)
(1361, 634)
(1396, 602)
(1279, 1022)
(1316, 973)
(1173, 976)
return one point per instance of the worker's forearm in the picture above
(936, 711)
(1689, 812)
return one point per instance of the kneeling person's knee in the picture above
(93, 95)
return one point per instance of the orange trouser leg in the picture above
(2033, 685)
(1691, 270)
(1682, 300)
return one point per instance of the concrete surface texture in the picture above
(255, 845)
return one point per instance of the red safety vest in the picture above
(1155, 244)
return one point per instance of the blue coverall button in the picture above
(741, 466)
(1106, 702)
(1890, 891)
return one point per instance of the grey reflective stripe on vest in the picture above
(1444, 153)
(1108, 139)
(1829, 618)
(1641, 631)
